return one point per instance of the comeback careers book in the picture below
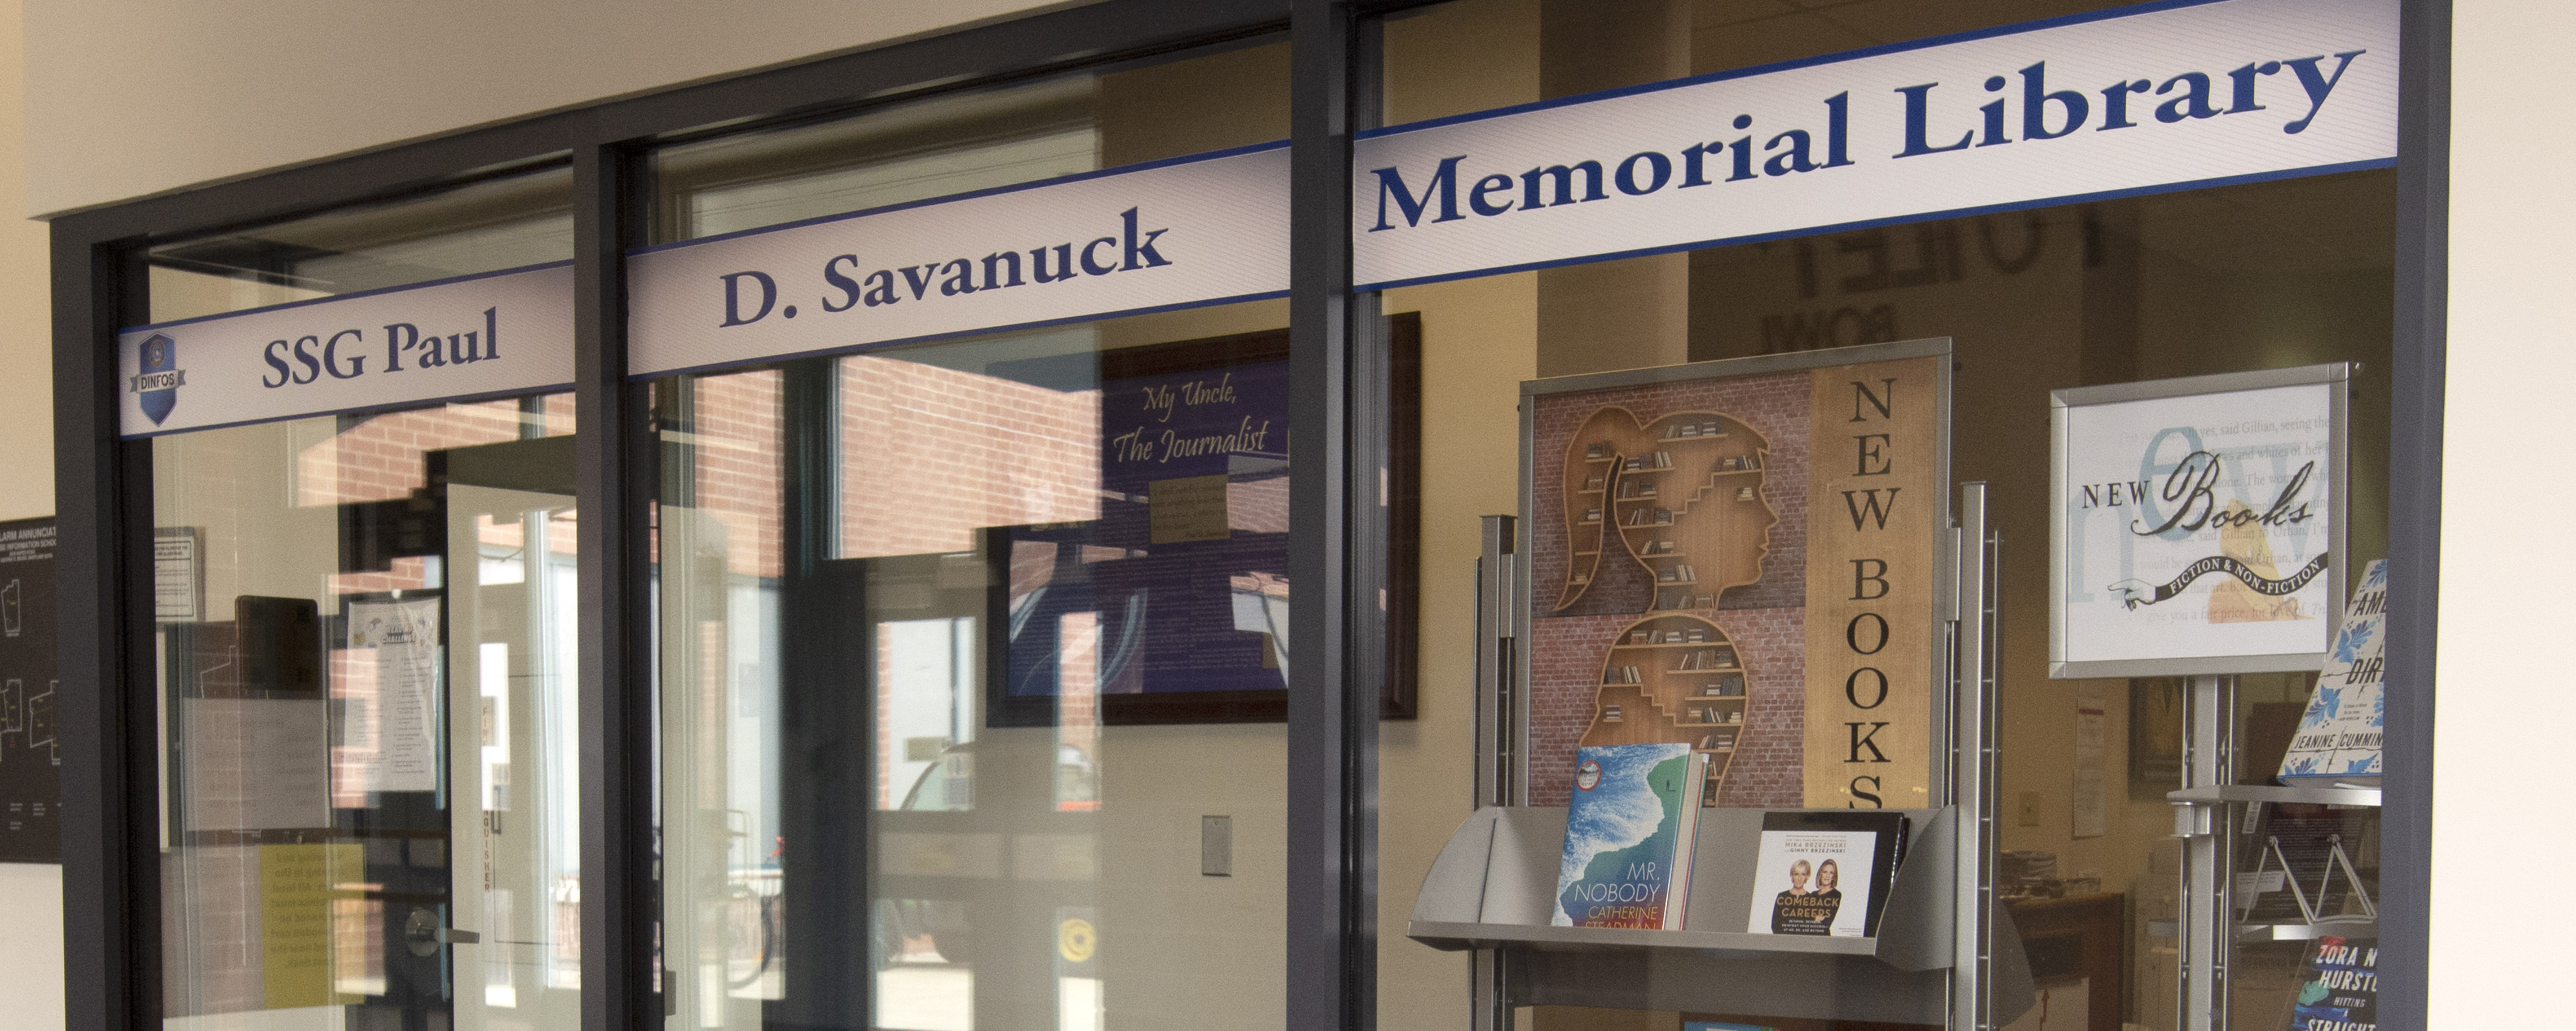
(1831, 871)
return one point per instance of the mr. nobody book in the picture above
(1630, 829)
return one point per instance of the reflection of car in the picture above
(949, 784)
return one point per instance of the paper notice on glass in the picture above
(2092, 789)
(256, 764)
(404, 637)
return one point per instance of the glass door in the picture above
(370, 769)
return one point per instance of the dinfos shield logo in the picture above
(156, 387)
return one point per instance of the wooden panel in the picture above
(1874, 507)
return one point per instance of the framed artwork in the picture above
(1172, 605)
(1745, 555)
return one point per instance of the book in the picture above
(1630, 831)
(2338, 986)
(1832, 870)
(2338, 737)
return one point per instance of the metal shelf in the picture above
(1493, 887)
(2281, 932)
(2273, 793)
(2306, 932)
(1487, 936)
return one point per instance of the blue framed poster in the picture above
(1172, 605)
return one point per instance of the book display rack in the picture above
(1490, 889)
(2260, 863)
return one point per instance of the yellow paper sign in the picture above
(295, 897)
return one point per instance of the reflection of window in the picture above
(933, 455)
(926, 691)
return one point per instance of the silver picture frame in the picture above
(2337, 480)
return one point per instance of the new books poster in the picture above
(1741, 556)
(2198, 523)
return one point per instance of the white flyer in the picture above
(256, 764)
(404, 636)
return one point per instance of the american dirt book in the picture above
(1832, 870)
(2338, 986)
(1630, 831)
(2338, 737)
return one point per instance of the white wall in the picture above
(132, 97)
(2505, 557)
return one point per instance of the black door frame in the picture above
(110, 834)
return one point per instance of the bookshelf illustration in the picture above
(1684, 494)
(1674, 678)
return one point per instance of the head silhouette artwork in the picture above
(1681, 496)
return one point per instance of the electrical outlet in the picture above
(2027, 813)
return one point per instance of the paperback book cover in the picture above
(1630, 830)
(2338, 737)
(2338, 986)
(1831, 871)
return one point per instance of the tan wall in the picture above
(31, 924)
(131, 97)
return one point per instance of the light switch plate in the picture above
(2027, 812)
(1216, 846)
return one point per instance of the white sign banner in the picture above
(1194, 231)
(501, 333)
(2198, 527)
(2134, 100)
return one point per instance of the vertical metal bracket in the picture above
(1974, 638)
(1498, 701)
(2208, 852)
(1500, 731)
